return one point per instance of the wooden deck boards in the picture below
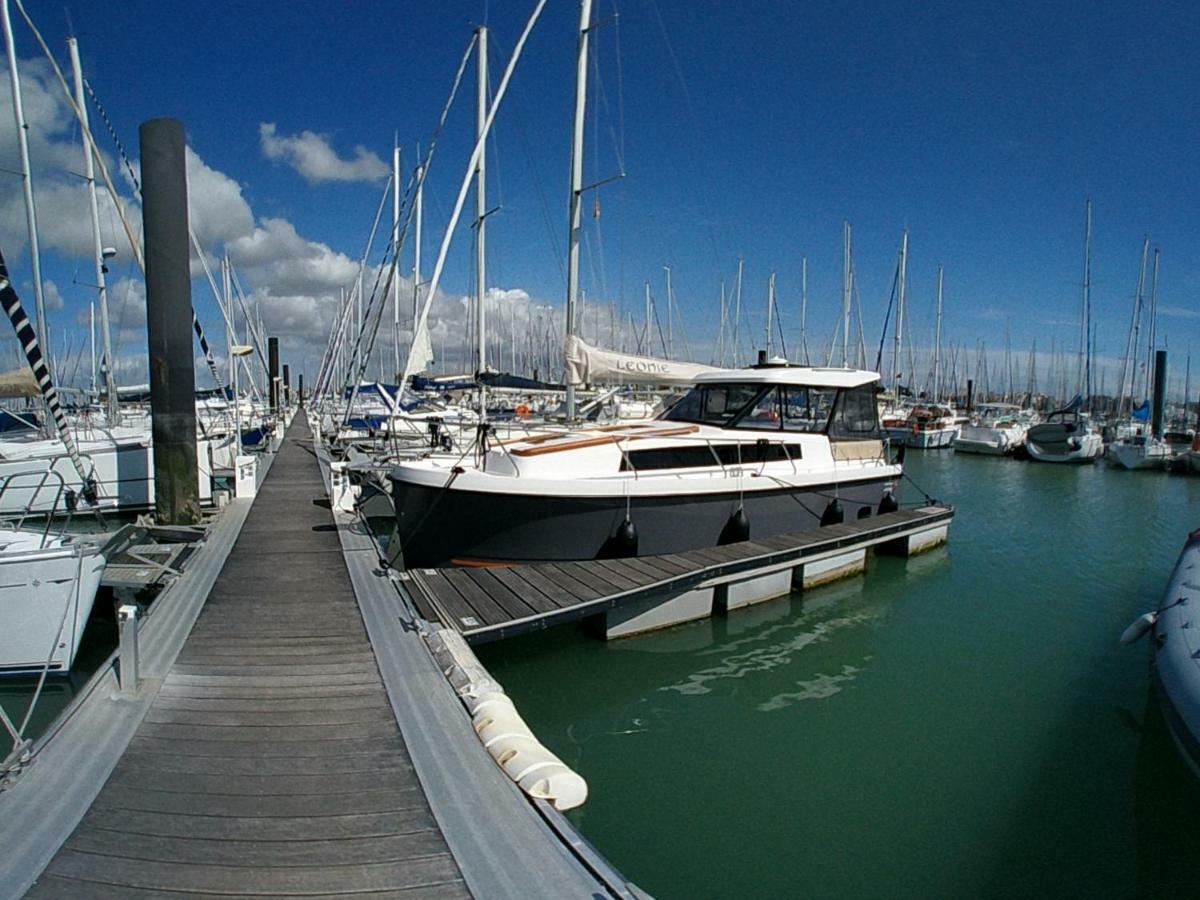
(486, 604)
(270, 762)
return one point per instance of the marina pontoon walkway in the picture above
(270, 762)
(485, 604)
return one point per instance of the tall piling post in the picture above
(169, 321)
(273, 372)
(287, 387)
(1158, 407)
(300, 389)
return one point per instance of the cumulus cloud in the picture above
(217, 210)
(311, 155)
(51, 295)
(293, 282)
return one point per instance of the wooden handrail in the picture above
(608, 438)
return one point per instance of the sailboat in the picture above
(1138, 449)
(1067, 435)
(47, 582)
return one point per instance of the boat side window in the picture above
(706, 456)
(855, 416)
(807, 409)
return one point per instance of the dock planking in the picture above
(269, 763)
(552, 593)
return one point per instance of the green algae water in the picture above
(960, 724)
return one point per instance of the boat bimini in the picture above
(744, 453)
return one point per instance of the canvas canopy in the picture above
(19, 383)
(588, 365)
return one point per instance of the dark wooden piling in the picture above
(169, 321)
(273, 371)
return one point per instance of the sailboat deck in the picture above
(486, 604)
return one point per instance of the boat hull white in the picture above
(931, 438)
(1054, 443)
(124, 476)
(1131, 455)
(46, 597)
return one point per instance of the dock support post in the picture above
(273, 372)
(169, 321)
(300, 389)
(128, 647)
(287, 387)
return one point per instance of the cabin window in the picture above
(702, 456)
(855, 416)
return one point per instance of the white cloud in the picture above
(1178, 312)
(217, 210)
(51, 295)
(310, 155)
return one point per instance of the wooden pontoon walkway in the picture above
(486, 604)
(270, 762)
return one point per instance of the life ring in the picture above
(521, 410)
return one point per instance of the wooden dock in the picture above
(272, 755)
(270, 762)
(486, 604)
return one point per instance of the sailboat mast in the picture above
(737, 311)
(719, 356)
(670, 317)
(35, 256)
(1084, 375)
(770, 305)
(481, 212)
(396, 251)
(937, 339)
(89, 175)
(898, 332)
(419, 202)
(845, 294)
(576, 201)
(92, 340)
(649, 314)
(804, 307)
(1150, 342)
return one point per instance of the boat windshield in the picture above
(713, 404)
(842, 414)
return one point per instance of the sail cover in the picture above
(587, 365)
(19, 383)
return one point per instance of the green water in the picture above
(961, 724)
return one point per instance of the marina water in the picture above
(963, 723)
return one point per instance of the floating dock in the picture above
(298, 740)
(649, 592)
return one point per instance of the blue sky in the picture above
(747, 130)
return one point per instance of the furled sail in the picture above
(19, 383)
(587, 365)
